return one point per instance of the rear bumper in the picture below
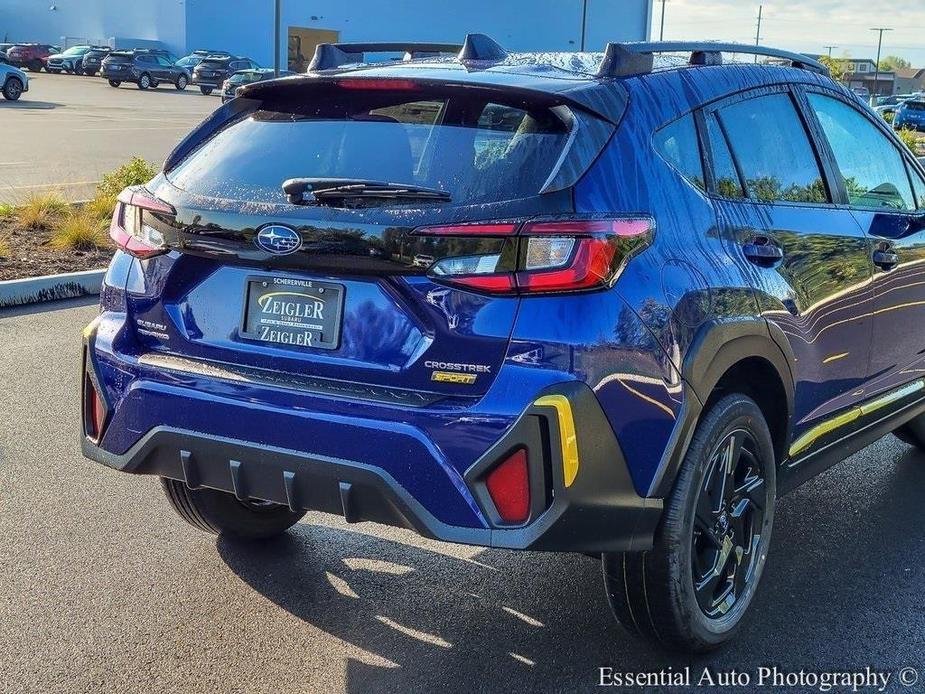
(599, 511)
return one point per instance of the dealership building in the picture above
(245, 27)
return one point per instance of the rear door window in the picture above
(467, 144)
(872, 167)
(773, 151)
(678, 144)
(725, 176)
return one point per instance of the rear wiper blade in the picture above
(306, 191)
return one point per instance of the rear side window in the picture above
(918, 188)
(871, 166)
(915, 106)
(465, 143)
(678, 144)
(773, 150)
(726, 178)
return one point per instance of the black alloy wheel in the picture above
(728, 540)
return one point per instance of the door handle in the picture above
(762, 252)
(885, 259)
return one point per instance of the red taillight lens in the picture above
(509, 487)
(128, 228)
(553, 255)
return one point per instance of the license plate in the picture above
(291, 312)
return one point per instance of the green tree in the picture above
(839, 67)
(893, 62)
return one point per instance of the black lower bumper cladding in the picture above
(599, 512)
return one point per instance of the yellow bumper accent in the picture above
(567, 435)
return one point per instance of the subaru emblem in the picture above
(278, 240)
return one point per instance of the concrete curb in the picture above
(33, 290)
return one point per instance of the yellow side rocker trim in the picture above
(830, 425)
(567, 435)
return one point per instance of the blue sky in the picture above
(801, 25)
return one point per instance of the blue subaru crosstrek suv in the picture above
(612, 303)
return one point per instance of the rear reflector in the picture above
(555, 255)
(509, 487)
(96, 411)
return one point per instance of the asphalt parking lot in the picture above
(105, 590)
(68, 131)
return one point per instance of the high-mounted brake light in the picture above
(128, 228)
(385, 84)
(553, 255)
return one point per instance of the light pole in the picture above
(873, 96)
(830, 49)
(584, 23)
(276, 23)
(661, 33)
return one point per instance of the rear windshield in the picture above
(915, 105)
(214, 62)
(246, 77)
(472, 147)
(121, 57)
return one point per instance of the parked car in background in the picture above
(13, 82)
(144, 68)
(31, 56)
(193, 59)
(93, 59)
(212, 72)
(70, 61)
(910, 116)
(242, 77)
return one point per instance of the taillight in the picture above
(128, 228)
(509, 487)
(552, 255)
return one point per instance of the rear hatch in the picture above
(212, 69)
(118, 60)
(388, 261)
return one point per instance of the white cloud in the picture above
(803, 26)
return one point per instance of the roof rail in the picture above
(330, 56)
(628, 59)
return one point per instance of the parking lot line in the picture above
(52, 185)
(114, 129)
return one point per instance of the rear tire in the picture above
(12, 89)
(114, 83)
(714, 533)
(206, 90)
(36, 66)
(90, 73)
(222, 514)
(913, 432)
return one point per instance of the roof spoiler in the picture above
(630, 59)
(476, 47)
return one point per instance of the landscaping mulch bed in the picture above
(33, 257)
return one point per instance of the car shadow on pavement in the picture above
(27, 105)
(507, 621)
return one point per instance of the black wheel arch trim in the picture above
(718, 346)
